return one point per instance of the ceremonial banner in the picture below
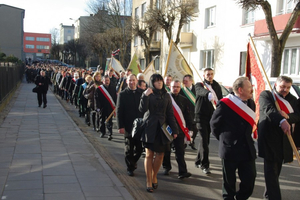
(257, 76)
(116, 65)
(176, 66)
(134, 65)
(149, 71)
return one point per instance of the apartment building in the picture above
(218, 38)
(37, 45)
(12, 30)
(66, 33)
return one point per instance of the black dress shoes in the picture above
(184, 175)
(130, 173)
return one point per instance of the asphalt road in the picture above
(198, 186)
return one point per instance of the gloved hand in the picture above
(210, 96)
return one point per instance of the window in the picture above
(143, 9)
(156, 63)
(42, 47)
(42, 39)
(29, 38)
(142, 41)
(68, 38)
(248, 16)
(136, 12)
(157, 3)
(142, 62)
(291, 61)
(68, 31)
(136, 38)
(207, 58)
(210, 17)
(29, 46)
(285, 6)
(187, 27)
(243, 56)
(156, 37)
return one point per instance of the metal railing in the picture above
(10, 75)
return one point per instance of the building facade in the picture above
(218, 38)
(66, 33)
(12, 30)
(37, 45)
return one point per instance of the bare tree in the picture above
(55, 47)
(278, 43)
(110, 16)
(170, 12)
(146, 29)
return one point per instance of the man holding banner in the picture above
(232, 123)
(183, 116)
(206, 100)
(105, 97)
(273, 128)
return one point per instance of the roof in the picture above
(11, 7)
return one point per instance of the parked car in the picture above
(295, 89)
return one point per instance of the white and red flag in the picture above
(257, 76)
(116, 52)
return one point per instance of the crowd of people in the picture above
(187, 110)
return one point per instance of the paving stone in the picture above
(61, 188)
(25, 176)
(23, 194)
(65, 196)
(60, 179)
(24, 185)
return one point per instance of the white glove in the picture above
(98, 110)
(210, 96)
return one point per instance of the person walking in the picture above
(206, 99)
(232, 124)
(42, 82)
(273, 128)
(156, 103)
(127, 111)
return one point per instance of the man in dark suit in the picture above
(42, 81)
(190, 93)
(273, 127)
(179, 142)
(105, 103)
(127, 112)
(232, 123)
(206, 99)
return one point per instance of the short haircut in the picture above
(140, 82)
(129, 70)
(105, 76)
(131, 76)
(189, 76)
(284, 78)
(208, 69)
(175, 81)
(168, 75)
(239, 83)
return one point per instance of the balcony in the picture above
(186, 39)
(280, 21)
(155, 46)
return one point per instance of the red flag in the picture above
(257, 76)
(116, 52)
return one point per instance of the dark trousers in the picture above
(272, 171)
(247, 174)
(133, 152)
(42, 98)
(203, 150)
(194, 129)
(108, 125)
(179, 155)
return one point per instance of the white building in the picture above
(218, 38)
(66, 33)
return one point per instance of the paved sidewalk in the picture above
(44, 155)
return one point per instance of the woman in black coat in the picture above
(157, 106)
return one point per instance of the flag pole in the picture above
(111, 114)
(167, 65)
(292, 143)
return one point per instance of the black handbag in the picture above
(138, 129)
(35, 89)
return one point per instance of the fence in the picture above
(10, 75)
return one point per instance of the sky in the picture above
(43, 15)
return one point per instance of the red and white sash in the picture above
(240, 108)
(180, 119)
(215, 98)
(283, 104)
(74, 80)
(107, 96)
